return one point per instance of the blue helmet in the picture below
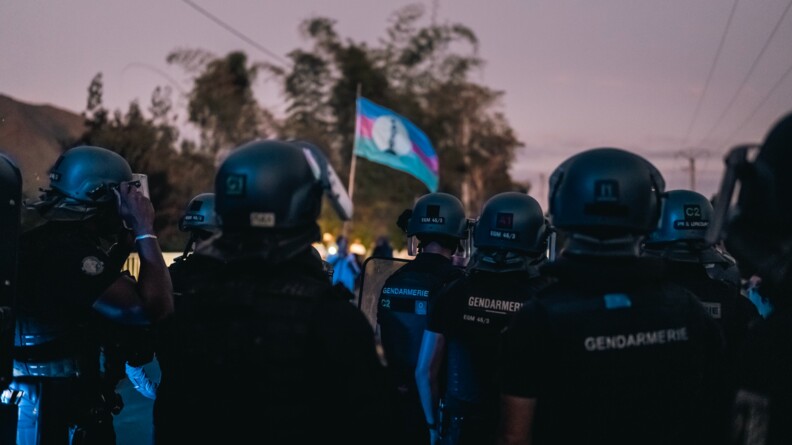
(438, 214)
(685, 217)
(199, 214)
(88, 174)
(81, 184)
(511, 221)
(270, 185)
(606, 192)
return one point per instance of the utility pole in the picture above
(691, 155)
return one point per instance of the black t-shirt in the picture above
(265, 351)
(471, 313)
(724, 302)
(402, 310)
(63, 267)
(613, 354)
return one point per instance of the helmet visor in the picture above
(140, 181)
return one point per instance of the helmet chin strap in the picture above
(586, 245)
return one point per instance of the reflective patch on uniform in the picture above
(420, 307)
(635, 339)
(92, 266)
(262, 219)
(494, 305)
(714, 309)
(617, 301)
(405, 291)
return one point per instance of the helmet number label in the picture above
(606, 190)
(432, 220)
(692, 212)
(262, 219)
(235, 185)
(503, 234)
(693, 219)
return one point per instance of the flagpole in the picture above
(353, 163)
(351, 186)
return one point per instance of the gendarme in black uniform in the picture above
(76, 318)
(438, 221)
(403, 308)
(61, 335)
(259, 347)
(465, 323)
(702, 268)
(471, 315)
(266, 351)
(613, 354)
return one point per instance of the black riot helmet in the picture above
(82, 181)
(438, 214)
(437, 217)
(511, 221)
(199, 214)
(607, 199)
(199, 220)
(685, 216)
(268, 185)
(757, 227)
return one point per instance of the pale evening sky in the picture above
(635, 74)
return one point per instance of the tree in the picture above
(149, 145)
(221, 102)
(421, 71)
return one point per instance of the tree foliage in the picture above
(221, 102)
(421, 70)
(149, 145)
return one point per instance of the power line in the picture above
(156, 70)
(747, 76)
(233, 31)
(711, 70)
(764, 100)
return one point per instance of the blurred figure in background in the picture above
(346, 269)
(757, 230)
(383, 248)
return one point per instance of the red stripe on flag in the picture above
(430, 162)
(365, 126)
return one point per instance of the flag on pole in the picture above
(387, 138)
